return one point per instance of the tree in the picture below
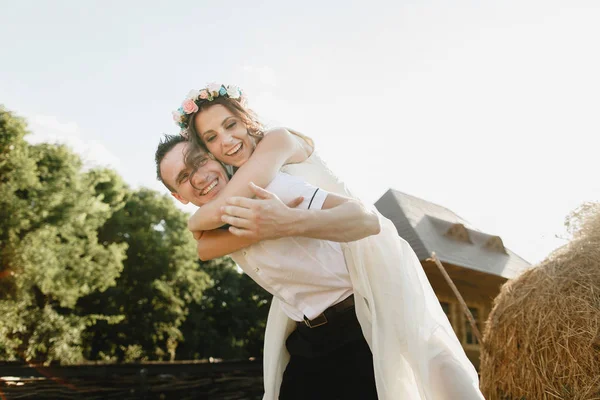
(230, 320)
(17, 176)
(160, 279)
(92, 269)
(51, 256)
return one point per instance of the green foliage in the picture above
(17, 177)
(50, 252)
(230, 321)
(159, 281)
(90, 269)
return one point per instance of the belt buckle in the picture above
(311, 324)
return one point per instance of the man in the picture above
(330, 357)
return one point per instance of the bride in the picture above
(416, 354)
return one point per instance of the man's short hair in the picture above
(165, 146)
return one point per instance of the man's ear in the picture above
(179, 198)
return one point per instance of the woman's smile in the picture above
(224, 135)
(235, 150)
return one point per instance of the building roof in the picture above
(429, 227)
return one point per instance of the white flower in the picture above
(193, 95)
(214, 88)
(233, 91)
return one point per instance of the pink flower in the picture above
(176, 116)
(189, 106)
(203, 94)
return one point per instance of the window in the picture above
(495, 244)
(449, 311)
(459, 232)
(470, 337)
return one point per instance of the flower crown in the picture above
(196, 98)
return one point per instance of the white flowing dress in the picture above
(416, 354)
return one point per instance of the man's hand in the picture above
(265, 217)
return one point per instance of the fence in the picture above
(230, 380)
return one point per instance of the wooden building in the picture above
(477, 262)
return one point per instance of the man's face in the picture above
(210, 178)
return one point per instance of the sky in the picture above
(487, 108)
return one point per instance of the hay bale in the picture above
(542, 337)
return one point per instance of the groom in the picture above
(329, 354)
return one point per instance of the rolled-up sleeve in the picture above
(288, 187)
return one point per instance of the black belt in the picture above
(328, 314)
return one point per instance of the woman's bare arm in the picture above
(277, 148)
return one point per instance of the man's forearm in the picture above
(339, 218)
(343, 223)
(219, 243)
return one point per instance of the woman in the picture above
(415, 351)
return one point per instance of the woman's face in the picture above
(225, 135)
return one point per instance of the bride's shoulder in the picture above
(300, 139)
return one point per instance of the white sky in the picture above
(487, 108)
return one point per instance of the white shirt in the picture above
(307, 275)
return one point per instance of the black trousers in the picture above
(329, 362)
